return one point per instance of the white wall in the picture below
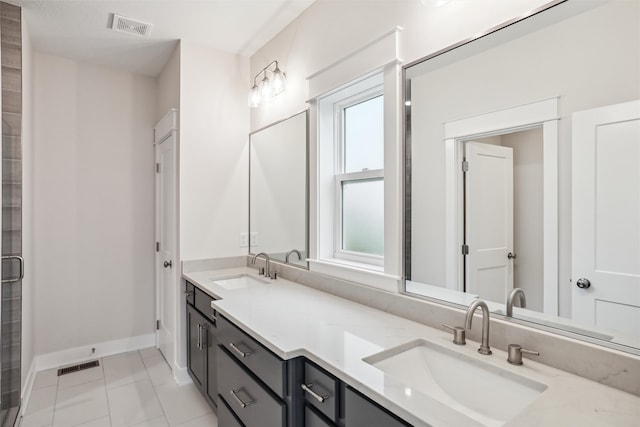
(28, 283)
(214, 162)
(93, 204)
(169, 85)
(329, 30)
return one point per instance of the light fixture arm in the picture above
(265, 69)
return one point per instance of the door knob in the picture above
(168, 264)
(511, 255)
(583, 283)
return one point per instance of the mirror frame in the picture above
(406, 184)
(306, 201)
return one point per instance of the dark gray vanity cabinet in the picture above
(249, 386)
(329, 402)
(202, 342)
(359, 411)
(252, 381)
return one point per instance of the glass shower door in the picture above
(11, 217)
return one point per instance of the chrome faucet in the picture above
(484, 346)
(266, 262)
(516, 292)
(292, 251)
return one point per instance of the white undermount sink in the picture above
(238, 281)
(486, 393)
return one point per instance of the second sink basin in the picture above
(484, 392)
(238, 281)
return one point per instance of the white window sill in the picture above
(365, 274)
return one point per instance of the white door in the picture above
(166, 262)
(606, 217)
(489, 220)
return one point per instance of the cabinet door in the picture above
(311, 419)
(212, 370)
(360, 412)
(195, 347)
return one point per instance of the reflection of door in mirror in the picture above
(606, 217)
(503, 216)
(488, 228)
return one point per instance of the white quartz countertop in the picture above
(294, 320)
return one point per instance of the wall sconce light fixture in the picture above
(272, 84)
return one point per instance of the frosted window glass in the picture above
(363, 216)
(364, 135)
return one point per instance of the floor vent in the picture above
(79, 367)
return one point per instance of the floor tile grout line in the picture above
(55, 402)
(104, 375)
(155, 392)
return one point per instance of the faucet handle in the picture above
(515, 354)
(458, 334)
(261, 271)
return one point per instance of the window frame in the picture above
(340, 176)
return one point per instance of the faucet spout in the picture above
(484, 346)
(292, 251)
(266, 262)
(515, 293)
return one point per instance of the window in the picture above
(359, 177)
(351, 187)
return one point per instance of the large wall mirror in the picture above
(523, 171)
(278, 201)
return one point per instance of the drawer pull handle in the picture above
(237, 349)
(309, 389)
(242, 403)
(213, 316)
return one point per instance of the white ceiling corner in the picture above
(80, 29)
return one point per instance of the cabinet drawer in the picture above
(311, 419)
(321, 390)
(360, 411)
(225, 416)
(203, 304)
(191, 293)
(264, 364)
(253, 404)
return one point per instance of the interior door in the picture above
(489, 220)
(166, 245)
(606, 217)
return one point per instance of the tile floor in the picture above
(129, 389)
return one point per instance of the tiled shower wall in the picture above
(11, 76)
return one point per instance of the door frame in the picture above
(167, 128)
(545, 114)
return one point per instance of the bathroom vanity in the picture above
(291, 355)
(249, 385)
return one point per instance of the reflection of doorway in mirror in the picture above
(503, 216)
(513, 127)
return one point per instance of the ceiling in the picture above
(80, 29)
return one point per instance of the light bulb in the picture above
(266, 90)
(279, 81)
(254, 96)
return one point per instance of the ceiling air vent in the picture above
(131, 26)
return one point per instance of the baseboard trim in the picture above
(103, 349)
(181, 375)
(28, 387)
